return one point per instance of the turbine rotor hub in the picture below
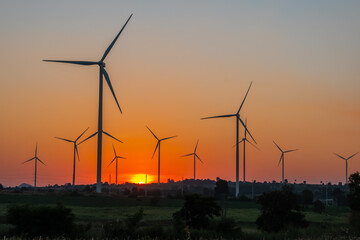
(102, 64)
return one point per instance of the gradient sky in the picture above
(178, 61)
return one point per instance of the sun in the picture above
(140, 178)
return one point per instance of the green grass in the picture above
(99, 209)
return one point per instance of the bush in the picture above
(41, 221)
(280, 210)
(221, 189)
(354, 195)
(227, 227)
(307, 197)
(125, 229)
(197, 211)
(319, 206)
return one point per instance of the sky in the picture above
(176, 62)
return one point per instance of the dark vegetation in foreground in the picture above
(280, 214)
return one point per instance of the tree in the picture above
(197, 211)
(1, 187)
(280, 210)
(221, 188)
(339, 197)
(307, 197)
(354, 202)
(319, 206)
(354, 194)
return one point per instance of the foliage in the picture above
(126, 228)
(280, 210)
(221, 188)
(354, 194)
(41, 221)
(319, 206)
(307, 197)
(339, 197)
(1, 187)
(354, 221)
(197, 210)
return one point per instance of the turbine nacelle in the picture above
(102, 64)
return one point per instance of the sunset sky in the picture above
(176, 62)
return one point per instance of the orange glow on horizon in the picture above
(141, 178)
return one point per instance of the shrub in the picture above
(41, 221)
(280, 210)
(319, 206)
(307, 197)
(221, 189)
(354, 202)
(197, 211)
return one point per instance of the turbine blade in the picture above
(36, 150)
(87, 63)
(244, 98)
(239, 142)
(340, 156)
(190, 154)
(77, 153)
(199, 158)
(110, 86)
(28, 160)
(152, 133)
(64, 139)
(278, 146)
(220, 116)
(246, 129)
(112, 161)
(113, 42)
(87, 138)
(281, 158)
(167, 138)
(196, 145)
(121, 157)
(253, 145)
(114, 150)
(352, 155)
(81, 134)
(155, 149)
(41, 161)
(291, 150)
(112, 136)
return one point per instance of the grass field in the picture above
(99, 209)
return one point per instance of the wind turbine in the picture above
(244, 140)
(103, 72)
(35, 160)
(238, 119)
(115, 159)
(158, 146)
(195, 156)
(282, 158)
(346, 160)
(76, 152)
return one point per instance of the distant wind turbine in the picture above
(282, 158)
(103, 72)
(346, 160)
(76, 152)
(195, 156)
(35, 160)
(244, 140)
(158, 147)
(116, 159)
(238, 119)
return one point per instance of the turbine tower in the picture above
(116, 159)
(195, 156)
(238, 119)
(282, 158)
(35, 160)
(158, 146)
(244, 140)
(346, 160)
(103, 72)
(76, 152)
